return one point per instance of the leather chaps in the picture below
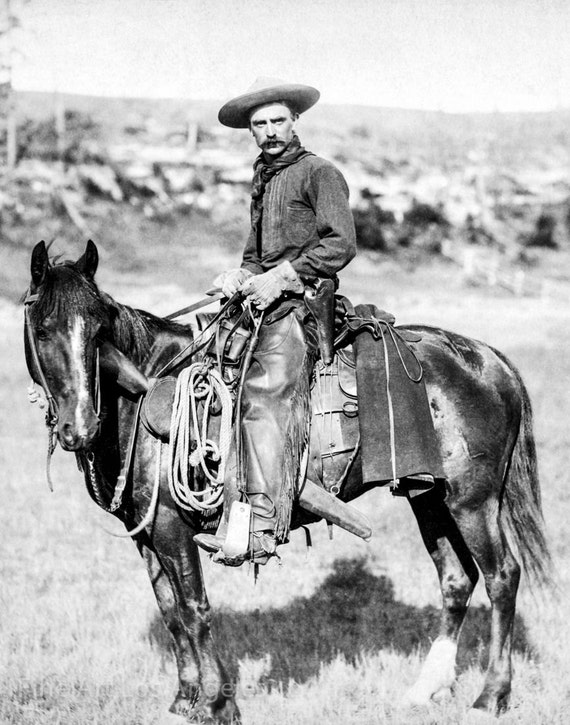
(275, 419)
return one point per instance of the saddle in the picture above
(369, 403)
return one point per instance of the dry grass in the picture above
(79, 637)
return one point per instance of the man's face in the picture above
(272, 127)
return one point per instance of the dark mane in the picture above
(132, 331)
(65, 288)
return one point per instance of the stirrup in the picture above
(262, 547)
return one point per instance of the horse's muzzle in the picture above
(77, 438)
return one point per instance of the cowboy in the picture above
(302, 230)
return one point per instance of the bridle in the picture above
(52, 412)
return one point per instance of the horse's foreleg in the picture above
(189, 684)
(457, 576)
(212, 694)
(501, 572)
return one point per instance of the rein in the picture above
(197, 344)
(213, 296)
(52, 416)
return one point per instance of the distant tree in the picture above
(9, 23)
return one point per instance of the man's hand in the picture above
(263, 289)
(231, 280)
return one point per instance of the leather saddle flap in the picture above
(156, 409)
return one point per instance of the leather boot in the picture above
(262, 546)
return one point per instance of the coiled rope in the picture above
(198, 383)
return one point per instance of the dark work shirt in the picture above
(306, 220)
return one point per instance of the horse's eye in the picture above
(41, 333)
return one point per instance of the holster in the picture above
(231, 339)
(319, 300)
(227, 344)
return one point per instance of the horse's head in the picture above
(64, 315)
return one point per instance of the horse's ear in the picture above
(39, 265)
(88, 262)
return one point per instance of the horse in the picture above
(486, 519)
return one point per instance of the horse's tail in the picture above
(521, 506)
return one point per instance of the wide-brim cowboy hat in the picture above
(236, 112)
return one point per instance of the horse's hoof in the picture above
(202, 714)
(443, 694)
(417, 698)
(182, 707)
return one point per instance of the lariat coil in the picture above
(199, 384)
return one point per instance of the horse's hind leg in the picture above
(187, 670)
(457, 576)
(501, 573)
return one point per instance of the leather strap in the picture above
(52, 405)
(212, 297)
(197, 344)
(123, 477)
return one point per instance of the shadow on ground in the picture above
(352, 612)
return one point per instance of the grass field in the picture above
(80, 641)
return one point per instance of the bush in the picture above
(423, 215)
(39, 140)
(368, 223)
(543, 233)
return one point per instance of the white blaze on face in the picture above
(81, 379)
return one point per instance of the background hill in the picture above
(154, 182)
(514, 136)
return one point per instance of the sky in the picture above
(451, 55)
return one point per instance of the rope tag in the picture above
(237, 537)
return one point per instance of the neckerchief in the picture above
(263, 172)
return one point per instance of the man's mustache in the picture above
(273, 142)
